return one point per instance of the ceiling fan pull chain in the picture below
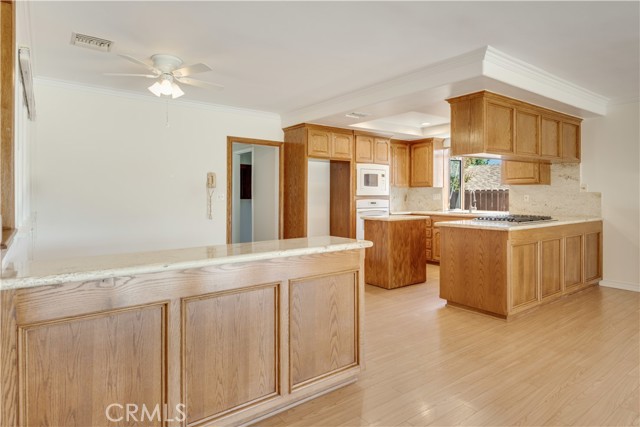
(167, 123)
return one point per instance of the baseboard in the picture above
(634, 287)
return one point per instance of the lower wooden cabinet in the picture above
(433, 235)
(219, 345)
(505, 272)
(544, 266)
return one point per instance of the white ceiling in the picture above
(288, 57)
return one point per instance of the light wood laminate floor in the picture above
(572, 362)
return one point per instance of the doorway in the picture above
(254, 188)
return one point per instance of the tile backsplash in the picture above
(562, 198)
(415, 199)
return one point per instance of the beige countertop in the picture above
(463, 213)
(514, 226)
(40, 273)
(394, 218)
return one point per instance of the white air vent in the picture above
(357, 115)
(91, 42)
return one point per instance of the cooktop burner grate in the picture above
(515, 218)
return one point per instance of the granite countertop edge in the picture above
(506, 226)
(23, 278)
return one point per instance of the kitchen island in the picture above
(397, 257)
(503, 269)
(220, 335)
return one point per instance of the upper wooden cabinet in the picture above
(421, 174)
(400, 164)
(417, 163)
(326, 144)
(485, 124)
(518, 173)
(372, 149)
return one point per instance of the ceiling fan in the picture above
(168, 72)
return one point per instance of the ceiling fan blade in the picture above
(199, 83)
(191, 69)
(149, 76)
(139, 62)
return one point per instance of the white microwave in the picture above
(372, 179)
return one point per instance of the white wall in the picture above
(265, 192)
(109, 176)
(318, 198)
(610, 165)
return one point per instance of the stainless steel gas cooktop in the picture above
(516, 218)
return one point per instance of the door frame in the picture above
(280, 145)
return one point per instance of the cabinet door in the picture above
(381, 151)
(319, 143)
(527, 133)
(342, 146)
(550, 138)
(570, 142)
(592, 257)
(399, 165)
(572, 261)
(421, 165)
(436, 244)
(550, 265)
(524, 274)
(518, 173)
(499, 127)
(364, 149)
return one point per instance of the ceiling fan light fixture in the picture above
(155, 89)
(176, 92)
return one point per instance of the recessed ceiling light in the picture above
(425, 124)
(356, 115)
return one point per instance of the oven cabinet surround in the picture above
(485, 124)
(234, 333)
(307, 141)
(397, 257)
(504, 270)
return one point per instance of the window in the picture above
(475, 182)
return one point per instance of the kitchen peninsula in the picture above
(213, 335)
(500, 268)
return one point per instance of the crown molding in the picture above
(153, 99)
(473, 67)
(512, 71)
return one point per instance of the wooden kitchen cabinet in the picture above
(433, 234)
(507, 271)
(304, 143)
(421, 170)
(329, 145)
(518, 173)
(341, 146)
(372, 149)
(485, 124)
(399, 165)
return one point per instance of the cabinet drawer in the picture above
(428, 243)
(429, 232)
(429, 255)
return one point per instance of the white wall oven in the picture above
(369, 207)
(372, 179)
